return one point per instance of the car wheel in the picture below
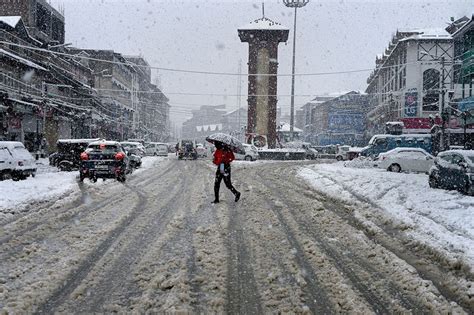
(339, 158)
(395, 168)
(122, 178)
(433, 182)
(94, 179)
(248, 158)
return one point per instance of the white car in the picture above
(405, 159)
(16, 161)
(157, 149)
(251, 153)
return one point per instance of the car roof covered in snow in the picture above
(77, 140)
(404, 149)
(464, 153)
(11, 144)
(104, 142)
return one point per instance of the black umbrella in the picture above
(233, 143)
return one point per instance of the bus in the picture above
(383, 143)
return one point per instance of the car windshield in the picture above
(237, 156)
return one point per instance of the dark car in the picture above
(104, 159)
(187, 150)
(453, 169)
(134, 153)
(67, 158)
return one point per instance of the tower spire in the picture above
(263, 9)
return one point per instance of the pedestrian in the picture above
(223, 156)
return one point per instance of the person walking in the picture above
(223, 156)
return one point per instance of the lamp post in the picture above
(293, 4)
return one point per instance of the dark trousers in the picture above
(227, 181)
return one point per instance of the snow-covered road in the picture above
(155, 244)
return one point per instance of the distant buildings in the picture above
(204, 122)
(339, 120)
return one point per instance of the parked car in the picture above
(383, 143)
(341, 152)
(67, 157)
(326, 152)
(251, 153)
(405, 159)
(104, 159)
(137, 147)
(157, 149)
(134, 153)
(187, 149)
(453, 169)
(201, 150)
(311, 153)
(15, 161)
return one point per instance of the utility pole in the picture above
(293, 4)
(444, 115)
(239, 95)
(43, 96)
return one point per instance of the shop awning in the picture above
(466, 104)
(21, 60)
(24, 103)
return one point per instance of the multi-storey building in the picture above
(340, 120)
(204, 122)
(44, 95)
(307, 124)
(152, 118)
(42, 20)
(464, 51)
(408, 80)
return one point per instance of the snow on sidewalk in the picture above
(43, 187)
(438, 218)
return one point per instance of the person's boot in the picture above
(215, 201)
(237, 196)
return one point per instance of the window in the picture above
(457, 159)
(431, 80)
(446, 157)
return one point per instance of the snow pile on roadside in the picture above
(43, 187)
(360, 162)
(439, 218)
(48, 185)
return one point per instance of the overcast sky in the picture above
(202, 35)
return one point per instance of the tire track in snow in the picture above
(76, 210)
(76, 276)
(242, 290)
(340, 261)
(115, 280)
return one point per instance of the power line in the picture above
(197, 71)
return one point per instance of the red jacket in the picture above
(225, 157)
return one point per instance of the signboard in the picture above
(411, 104)
(346, 122)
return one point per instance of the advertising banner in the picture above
(346, 122)
(411, 104)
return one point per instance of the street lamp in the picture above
(293, 4)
